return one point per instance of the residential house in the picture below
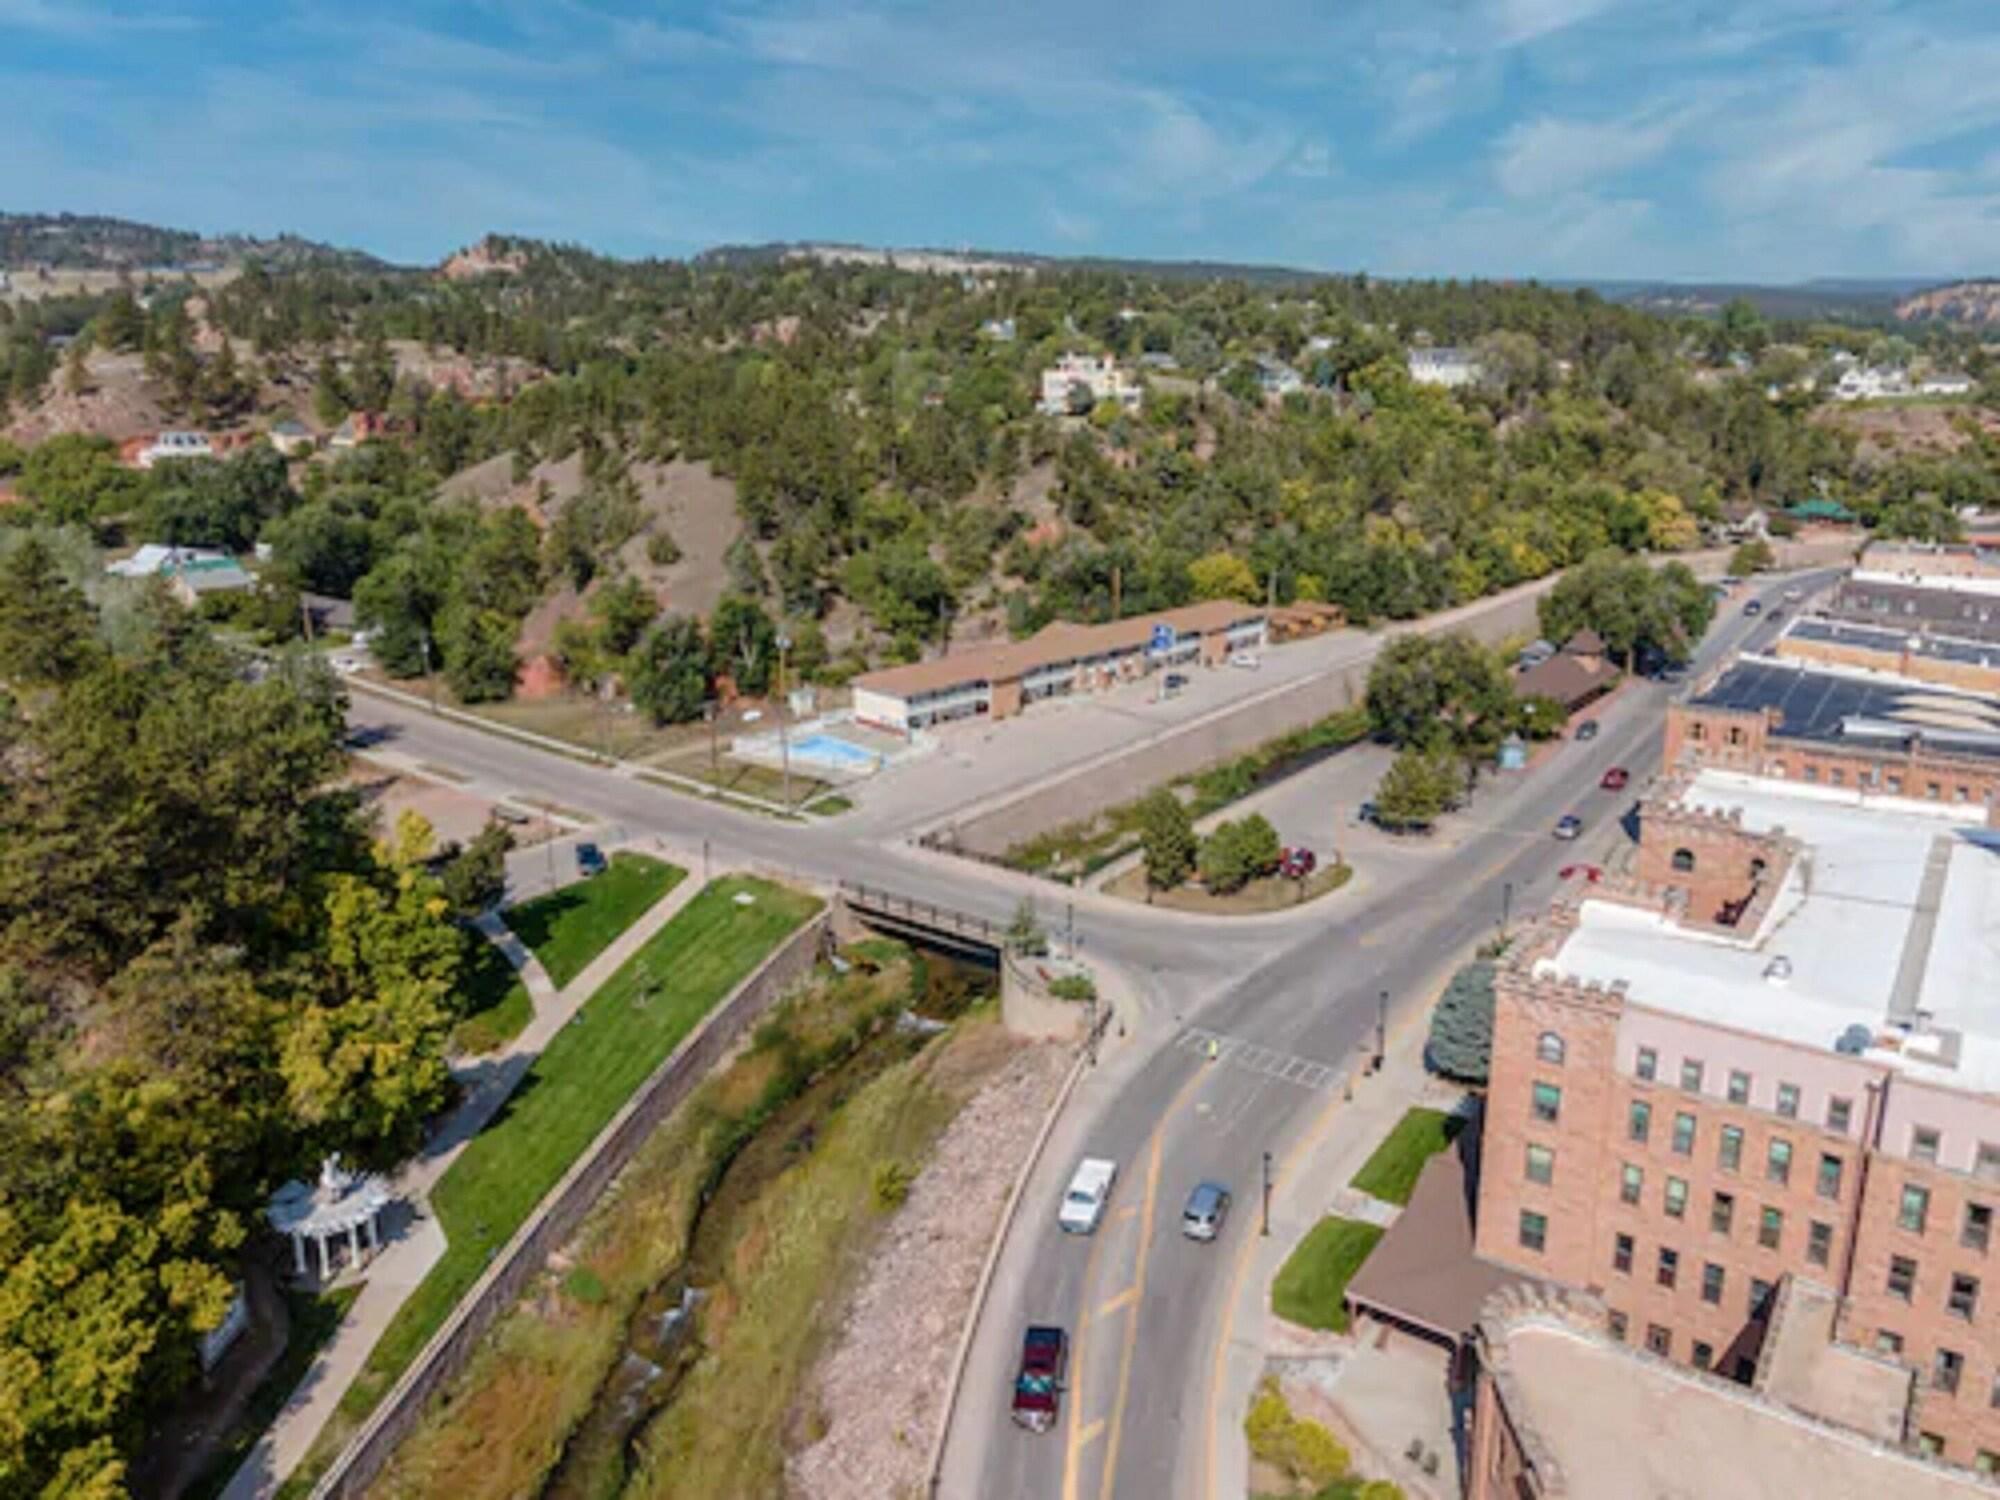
(192, 573)
(357, 429)
(1871, 382)
(1445, 366)
(292, 438)
(1945, 383)
(173, 445)
(1098, 374)
(1578, 674)
(1000, 330)
(1276, 379)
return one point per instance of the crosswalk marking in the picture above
(1286, 1067)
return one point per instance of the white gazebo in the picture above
(340, 1203)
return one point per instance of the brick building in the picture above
(1765, 1066)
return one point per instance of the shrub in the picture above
(662, 551)
(1238, 852)
(1074, 987)
(585, 1285)
(892, 1184)
(1302, 1448)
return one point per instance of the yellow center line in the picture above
(1138, 1287)
(1073, 1449)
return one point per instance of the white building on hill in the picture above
(1097, 373)
(1448, 367)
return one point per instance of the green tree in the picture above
(1238, 852)
(48, 631)
(667, 674)
(1418, 786)
(479, 659)
(1461, 1039)
(1025, 933)
(623, 610)
(1440, 690)
(1540, 718)
(742, 644)
(330, 399)
(1753, 556)
(1222, 575)
(475, 877)
(1167, 836)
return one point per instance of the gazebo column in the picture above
(298, 1255)
(353, 1245)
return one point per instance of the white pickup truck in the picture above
(1089, 1190)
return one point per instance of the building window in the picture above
(1659, 1340)
(1930, 1445)
(1691, 1075)
(1770, 1228)
(1541, 1164)
(1837, 776)
(1683, 1134)
(1838, 1113)
(1676, 1198)
(1760, 1296)
(1704, 1355)
(1819, 1242)
(1993, 1395)
(1534, 1230)
(1902, 1277)
(1829, 1175)
(1548, 1103)
(1697, 731)
(1964, 1298)
(1739, 1086)
(1646, 1064)
(1890, 1343)
(1812, 771)
(1639, 1121)
(1923, 1144)
(1684, 858)
(1946, 1369)
(1621, 1254)
(1730, 1156)
(1978, 1227)
(1915, 1209)
(1987, 1462)
(1788, 1100)
(1631, 1183)
(1669, 1270)
(1933, 791)
(1712, 1277)
(1778, 1160)
(1614, 1324)
(1549, 1047)
(1722, 1213)
(1987, 1163)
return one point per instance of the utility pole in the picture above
(1381, 1028)
(1506, 907)
(1267, 1194)
(784, 738)
(430, 680)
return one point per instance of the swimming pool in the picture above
(829, 750)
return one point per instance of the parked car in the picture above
(1038, 1384)
(1176, 681)
(1297, 864)
(1589, 874)
(1245, 659)
(1089, 1190)
(590, 860)
(1616, 779)
(1207, 1207)
(1569, 826)
(1587, 730)
(1776, 615)
(1754, 607)
(1794, 594)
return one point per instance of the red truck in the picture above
(1038, 1388)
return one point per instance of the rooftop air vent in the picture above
(1854, 1041)
(1778, 970)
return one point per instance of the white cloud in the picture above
(1547, 155)
(1517, 21)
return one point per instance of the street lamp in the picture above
(784, 738)
(1267, 1193)
(429, 680)
(1381, 1028)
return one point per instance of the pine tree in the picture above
(1166, 834)
(1461, 1041)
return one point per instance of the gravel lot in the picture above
(882, 1383)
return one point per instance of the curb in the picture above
(1000, 1232)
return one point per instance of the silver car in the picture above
(1207, 1207)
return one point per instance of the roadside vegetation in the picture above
(764, 1190)
(1391, 1171)
(1295, 1456)
(570, 926)
(1311, 1284)
(570, 1091)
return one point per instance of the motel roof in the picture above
(1055, 643)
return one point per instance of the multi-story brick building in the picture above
(1770, 1059)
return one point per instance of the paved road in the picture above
(1136, 1420)
(1146, 1305)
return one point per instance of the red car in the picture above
(1589, 873)
(1038, 1388)
(1616, 779)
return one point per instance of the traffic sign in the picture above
(1163, 638)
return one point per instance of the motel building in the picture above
(1059, 659)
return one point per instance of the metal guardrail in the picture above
(885, 903)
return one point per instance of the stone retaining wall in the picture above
(558, 1215)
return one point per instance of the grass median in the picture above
(567, 1096)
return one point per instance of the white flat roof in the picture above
(1843, 923)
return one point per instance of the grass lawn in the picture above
(1314, 1277)
(828, 807)
(569, 927)
(619, 1036)
(742, 777)
(497, 1004)
(1391, 1173)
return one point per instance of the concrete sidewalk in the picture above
(1311, 1182)
(412, 1240)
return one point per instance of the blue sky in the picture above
(1751, 139)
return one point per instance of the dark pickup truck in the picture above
(1038, 1388)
